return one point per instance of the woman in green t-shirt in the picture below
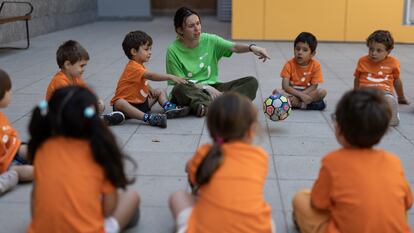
(194, 55)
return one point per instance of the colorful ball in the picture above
(277, 107)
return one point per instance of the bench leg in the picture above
(27, 34)
(27, 39)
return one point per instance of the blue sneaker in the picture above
(318, 105)
(158, 120)
(174, 111)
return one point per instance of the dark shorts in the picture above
(143, 107)
(18, 160)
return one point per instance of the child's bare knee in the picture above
(175, 196)
(300, 197)
(322, 93)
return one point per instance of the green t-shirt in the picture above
(199, 64)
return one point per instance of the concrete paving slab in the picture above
(295, 145)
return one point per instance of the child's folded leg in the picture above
(309, 219)
(8, 180)
(126, 210)
(181, 204)
(25, 172)
(395, 118)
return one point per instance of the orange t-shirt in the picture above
(68, 188)
(9, 144)
(233, 200)
(302, 77)
(61, 80)
(380, 75)
(132, 86)
(365, 191)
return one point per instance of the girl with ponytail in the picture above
(77, 168)
(227, 177)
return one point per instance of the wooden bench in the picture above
(10, 19)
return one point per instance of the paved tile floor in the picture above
(295, 145)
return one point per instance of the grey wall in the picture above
(48, 16)
(124, 9)
(411, 16)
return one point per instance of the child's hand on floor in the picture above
(403, 100)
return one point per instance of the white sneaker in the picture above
(395, 117)
(8, 180)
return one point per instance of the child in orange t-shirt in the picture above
(359, 188)
(13, 155)
(381, 71)
(77, 168)
(72, 59)
(302, 74)
(227, 177)
(133, 95)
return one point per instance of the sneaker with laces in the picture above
(177, 111)
(317, 105)
(8, 180)
(158, 120)
(395, 117)
(114, 118)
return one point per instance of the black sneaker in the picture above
(114, 118)
(318, 105)
(158, 120)
(178, 111)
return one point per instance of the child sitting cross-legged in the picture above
(134, 96)
(381, 71)
(228, 176)
(302, 74)
(78, 168)
(14, 166)
(359, 188)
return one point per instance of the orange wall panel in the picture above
(247, 19)
(284, 20)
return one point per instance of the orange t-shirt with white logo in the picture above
(233, 200)
(61, 80)
(380, 75)
(9, 144)
(302, 77)
(132, 86)
(68, 188)
(365, 191)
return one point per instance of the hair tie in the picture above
(43, 107)
(219, 140)
(89, 112)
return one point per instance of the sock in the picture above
(146, 117)
(168, 105)
(303, 106)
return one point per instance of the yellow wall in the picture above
(367, 16)
(329, 20)
(285, 19)
(249, 18)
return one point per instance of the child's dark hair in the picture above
(229, 118)
(381, 36)
(363, 116)
(133, 40)
(307, 38)
(71, 51)
(181, 16)
(67, 115)
(5, 83)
